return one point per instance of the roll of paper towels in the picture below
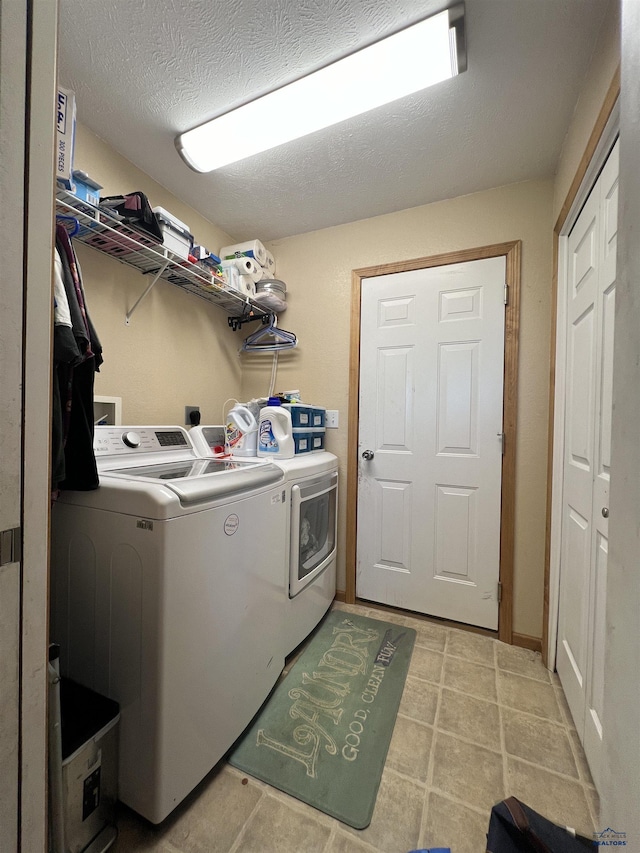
(270, 263)
(249, 249)
(246, 285)
(245, 266)
(250, 267)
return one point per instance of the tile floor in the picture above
(478, 721)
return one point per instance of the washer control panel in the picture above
(110, 440)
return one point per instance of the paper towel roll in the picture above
(246, 285)
(250, 267)
(270, 264)
(264, 273)
(249, 249)
(245, 266)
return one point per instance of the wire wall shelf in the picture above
(100, 230)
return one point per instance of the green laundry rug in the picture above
(323, 734)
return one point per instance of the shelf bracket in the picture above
(129, 314)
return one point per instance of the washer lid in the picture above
(194, 481)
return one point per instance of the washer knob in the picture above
(131, 439)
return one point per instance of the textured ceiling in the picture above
(144, 71)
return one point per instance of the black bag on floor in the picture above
(515, 828)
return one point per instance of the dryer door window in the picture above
(313, 529)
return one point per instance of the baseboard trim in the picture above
(534, 644)
(527, 642)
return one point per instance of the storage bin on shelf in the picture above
(306, 416)
(303, 440)
(175, 234)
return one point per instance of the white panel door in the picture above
(602, 462)
(431, 400)
(577, 530)
(584, 541)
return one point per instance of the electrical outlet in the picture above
(331, 419)
(188, 410)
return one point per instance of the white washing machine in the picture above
(309, 567)
(167, 597)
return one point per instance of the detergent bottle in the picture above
(241, 432)
(275, 436)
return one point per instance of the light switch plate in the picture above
(331, 419)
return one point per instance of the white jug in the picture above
(241, 432)
(275, 436)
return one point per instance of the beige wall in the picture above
(317, 269)
(178, 350)
(605, 61)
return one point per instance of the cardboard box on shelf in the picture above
(65, 138)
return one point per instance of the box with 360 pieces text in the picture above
(65, 136)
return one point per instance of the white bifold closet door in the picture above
(591, 285)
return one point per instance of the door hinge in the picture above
(10, 546)
(506, 294)
(499, 591)
(503, 440)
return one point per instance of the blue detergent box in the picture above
(204, 256)
(85, 188)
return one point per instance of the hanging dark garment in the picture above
(77, 357)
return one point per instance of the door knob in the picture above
(368, 455)
(605, 512)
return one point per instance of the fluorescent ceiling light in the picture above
(419, 56)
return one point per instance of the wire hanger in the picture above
(76, 224)
(269, 339)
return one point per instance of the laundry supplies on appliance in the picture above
(241, 436)
(275, 436)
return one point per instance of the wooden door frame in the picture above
(584, 172)
(511, 252)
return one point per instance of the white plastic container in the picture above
(241, 436)
(275, 436)
(176, 235)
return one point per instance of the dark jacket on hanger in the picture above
(76, 360)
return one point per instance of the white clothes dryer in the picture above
(311, 484)
(309, 566)
(167, 597)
